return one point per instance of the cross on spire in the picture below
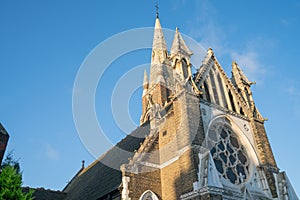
(156, 6)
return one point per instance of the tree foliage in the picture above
(11, 181)
(10, 161)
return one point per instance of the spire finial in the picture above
(82, 166)
(156, 6)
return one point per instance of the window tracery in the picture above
(229, 155)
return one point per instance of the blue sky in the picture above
(43, 43)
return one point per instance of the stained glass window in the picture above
(228, 153)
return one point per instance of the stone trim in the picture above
(243, 117)
(202, 191)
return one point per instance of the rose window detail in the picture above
(229, 155)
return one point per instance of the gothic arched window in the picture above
(148, 195)
(231, 101)
(229, 155)
(214, 87)
(184, 68)
(206, 90)
(222, 91)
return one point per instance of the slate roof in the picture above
(44, 194)
(99, 179)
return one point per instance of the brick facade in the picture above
(174, 160)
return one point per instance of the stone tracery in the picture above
(228, 153)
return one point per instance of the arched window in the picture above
(231, 101)
(175, 63)
(229, 154)
(213, 85)
(206, 91)
(168, 94)
(148, 195)
(241, 111)
(222, 91)
(184, 68)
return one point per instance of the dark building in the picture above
(3, 141)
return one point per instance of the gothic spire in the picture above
(242, 83)
(159, 54)
(158, 38)
(179, 46)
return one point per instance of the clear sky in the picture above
(43, 43)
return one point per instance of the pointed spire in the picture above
(145, 82)
(158, 38)
(159, 54)
(179, 46)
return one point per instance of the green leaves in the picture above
(11, 181)
(10, 161)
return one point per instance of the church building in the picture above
(201, 136)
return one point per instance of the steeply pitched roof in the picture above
(104, 176)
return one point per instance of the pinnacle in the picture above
(210, 51)
(145, 78)
(179, 46)
(237, 71)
